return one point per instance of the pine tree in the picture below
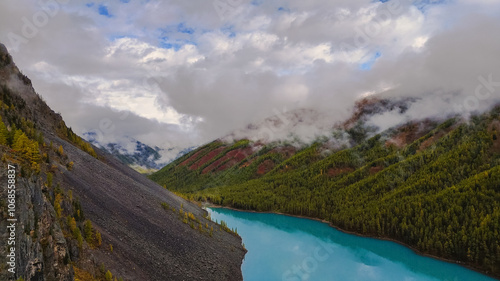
(33, 152)
(109, 276)
(49, 179)
(72, 224)
(19, 141)
(87, 229)
(60, 150)
(3, 133)
(78, 235)
(57, 205)
(98, 238)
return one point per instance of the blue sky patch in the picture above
(117, 37)
(167, 45)
(256, 2)
(369, 64)
(283, 9)
(182, 28)
(423, 5)
(176, 45)
(228, 30)
(103, 10)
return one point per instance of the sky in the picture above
(179, 73)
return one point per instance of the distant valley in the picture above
(137, 155)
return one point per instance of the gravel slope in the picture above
(149, 243)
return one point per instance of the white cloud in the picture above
(221, 74)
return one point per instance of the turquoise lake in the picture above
(296, 249)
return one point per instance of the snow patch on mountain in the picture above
(136, 154)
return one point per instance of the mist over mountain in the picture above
(196, 75)
(301, 127)
(138, 155)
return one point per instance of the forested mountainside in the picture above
(433, 185)
(80, 214)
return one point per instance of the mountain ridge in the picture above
(138, 155)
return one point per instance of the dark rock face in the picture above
(148, 241)
(40, 243)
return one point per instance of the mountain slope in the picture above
(432, 185)
(224, 162)
(83, 215)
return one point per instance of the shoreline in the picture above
(416, 251)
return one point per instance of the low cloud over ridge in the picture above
(187, 74)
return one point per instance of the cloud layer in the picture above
(180, 73)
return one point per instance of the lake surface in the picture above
(296, 249)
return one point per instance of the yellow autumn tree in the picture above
(60, 150)
(3, 133)
(33, 152)
(19, 141)
(72, 224)
(98, 238)
(88, 231)
(57, 205)
(109, 276)
(26, 147)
